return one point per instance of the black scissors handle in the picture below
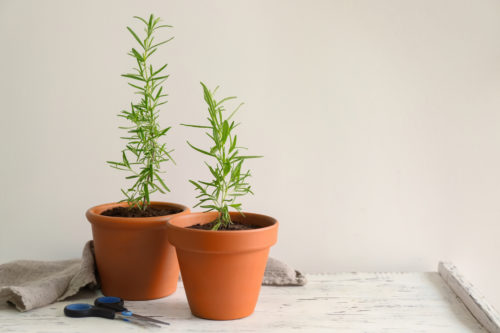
(117, 304)
(110, 302)
(79, 310)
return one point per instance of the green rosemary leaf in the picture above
(197, 126)
(164, 42)
(163, 26)
(224, 100)
(159, 70)
(159, 78)
(135, 36)
(162, 182)
(137, 55)
(247, 157)
(134, 76)
(140, 18)
(125, 161)
(211, 207)
(200, 150)
(225, 132)
(232, 114)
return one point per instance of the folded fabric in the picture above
(31, 284)
(280, 274)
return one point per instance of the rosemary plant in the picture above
(229, 181)
(144, 132)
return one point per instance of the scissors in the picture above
(108, 307)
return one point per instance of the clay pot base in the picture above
(151, 211)
(134, 259)
(222, 270)
(232, 227)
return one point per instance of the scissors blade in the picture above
(149, 319)
(137, 321)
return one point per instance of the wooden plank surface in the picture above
(473, 300)
(345, 302)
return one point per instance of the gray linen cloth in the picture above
(31, 284)
(280, 274)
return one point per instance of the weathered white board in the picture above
(344, 302)
(475, 302)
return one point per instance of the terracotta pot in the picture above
(134, 259)
(222, 271)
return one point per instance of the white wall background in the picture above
(379, 122)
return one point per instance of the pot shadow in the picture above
(166, 309)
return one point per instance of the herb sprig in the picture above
(229, 181)
(144, 133)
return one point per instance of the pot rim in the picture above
(221, 241)
(233, 232)
(94, 216)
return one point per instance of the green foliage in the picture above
(144, 133)
(229, 181)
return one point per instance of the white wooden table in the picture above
(344, 302)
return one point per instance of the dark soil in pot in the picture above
(151, 211)
(231, 227)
